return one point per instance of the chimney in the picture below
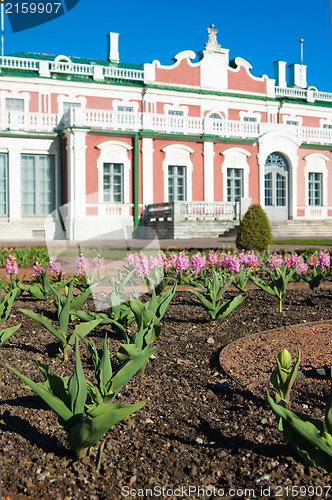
(298, 75)
(280, 73)
(113, 46)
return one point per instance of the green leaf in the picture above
(52, 401)
(45, 322)
(8, 332)
(98, 421)
(84, 328)
(227, 307)
(328, 410)
(127, 371)
(6, 304)
(78, 301)
(205, 302)
(105, 367)
(308, 440)
(77, 385)
(57, 385)
(264, 286)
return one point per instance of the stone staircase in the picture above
(194, 228)
(302, 228)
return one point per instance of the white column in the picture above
(76, 147)
(14, 184)
(208, 152)
(147, 170)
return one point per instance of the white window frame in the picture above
(5, 153)
(81, 100)
(114, 152)
(292, 118)
(316, 163)
(176, 107)
(126, 103)
(256, 117)
(179, 155)
(41, 153)
(25, 96)
(236, 158)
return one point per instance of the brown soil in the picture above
(199, 428)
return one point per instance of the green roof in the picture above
(76, 60)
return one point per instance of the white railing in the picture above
(39, 122)
(71, 68)
(291, 92)
(178, 210)
(322, 96)
(134, 122)
(110, 209)
(205, 208)
(127, 74)
(19, 63)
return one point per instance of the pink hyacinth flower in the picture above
(11, 266)
(82, 265)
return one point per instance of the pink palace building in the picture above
(184, 148)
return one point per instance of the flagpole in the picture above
(2, 29)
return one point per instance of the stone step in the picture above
(302, 228)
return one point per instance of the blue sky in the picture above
(259, 31)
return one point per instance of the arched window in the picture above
(276, 186)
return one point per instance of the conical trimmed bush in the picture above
(254, 231)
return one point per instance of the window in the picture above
(327, 125)
(113, 182)
(172, 112)
(292, 122)
(3, 184)
(38, 181)
(234, 184)
(70, 105)
(14, 104)
(249, 119)
(215, 116)
(315, 188)
(176, 183)
(126, 109)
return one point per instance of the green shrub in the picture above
(255, 231)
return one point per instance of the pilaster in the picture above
(76, 147)
(208, 152)
(147, 169)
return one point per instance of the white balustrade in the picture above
(177, 210)
(134, 121)
(19, 63)
(71, 68)
(123, 73)
(111, 209)
(291, 92)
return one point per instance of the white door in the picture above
(276, 187)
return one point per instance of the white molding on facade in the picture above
(176, 107)
(147, 170)
(14, 94)
(235, 158)
(76, 158)
(125, 102)
(14, 148)
(292, 117)
(243, 63)
(287, 144)
(316, 162)
(178, 154)
(208, 157)
(70, 97)
(114, 152)
(250, 114)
